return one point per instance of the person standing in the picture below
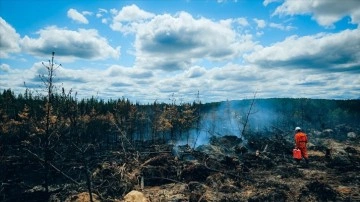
(301, 140)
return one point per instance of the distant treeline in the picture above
(97, 121)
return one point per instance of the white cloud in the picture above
(101, 12)
(113, 11)
(76, 16)
(325, 12)
(87, 13)
(14, 79)
(128, 18)
(323, 52)
(259, 33)
(4, 67)
(281, 27)
(175, 42)
(69, 44)
(242, 21)
(260, 23)
(104, 21)
(9, 39)
(135, 73)
(267, 2)
(195, 72)
(132, 13)
(230, 81)
(225, 1)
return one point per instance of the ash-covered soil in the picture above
(227, 169)
(218, 172)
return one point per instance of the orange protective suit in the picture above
(300, 142)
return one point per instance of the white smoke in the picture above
(229, 118)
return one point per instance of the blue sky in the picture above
(161, 50)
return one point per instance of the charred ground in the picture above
(227, 169)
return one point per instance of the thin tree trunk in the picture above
(88, 180)
(248, 114)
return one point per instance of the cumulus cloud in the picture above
(242, 21)
(175, 42)
(327, 52)
(83, 43)
(101, 13)
(225, 1)
(260, 23)
(87, 13)
(102, 10)
(132, 13)
(114, 82)
(266, 2)
(104, 21)
(281, 27)
(4, 67)
(195, 72)
(9, 39)
(14, 79)
(325, 12)
(135, 73)
(76, 16)
(128, 18)
(231, 81)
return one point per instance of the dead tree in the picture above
(49, 84)
(246, 120)
(42, 147)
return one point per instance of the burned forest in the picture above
(59, 148)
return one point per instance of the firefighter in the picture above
(301, 140)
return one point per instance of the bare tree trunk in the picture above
(88, 180)
(49, 85)
(248, 114)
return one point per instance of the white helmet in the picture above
(297, 128)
